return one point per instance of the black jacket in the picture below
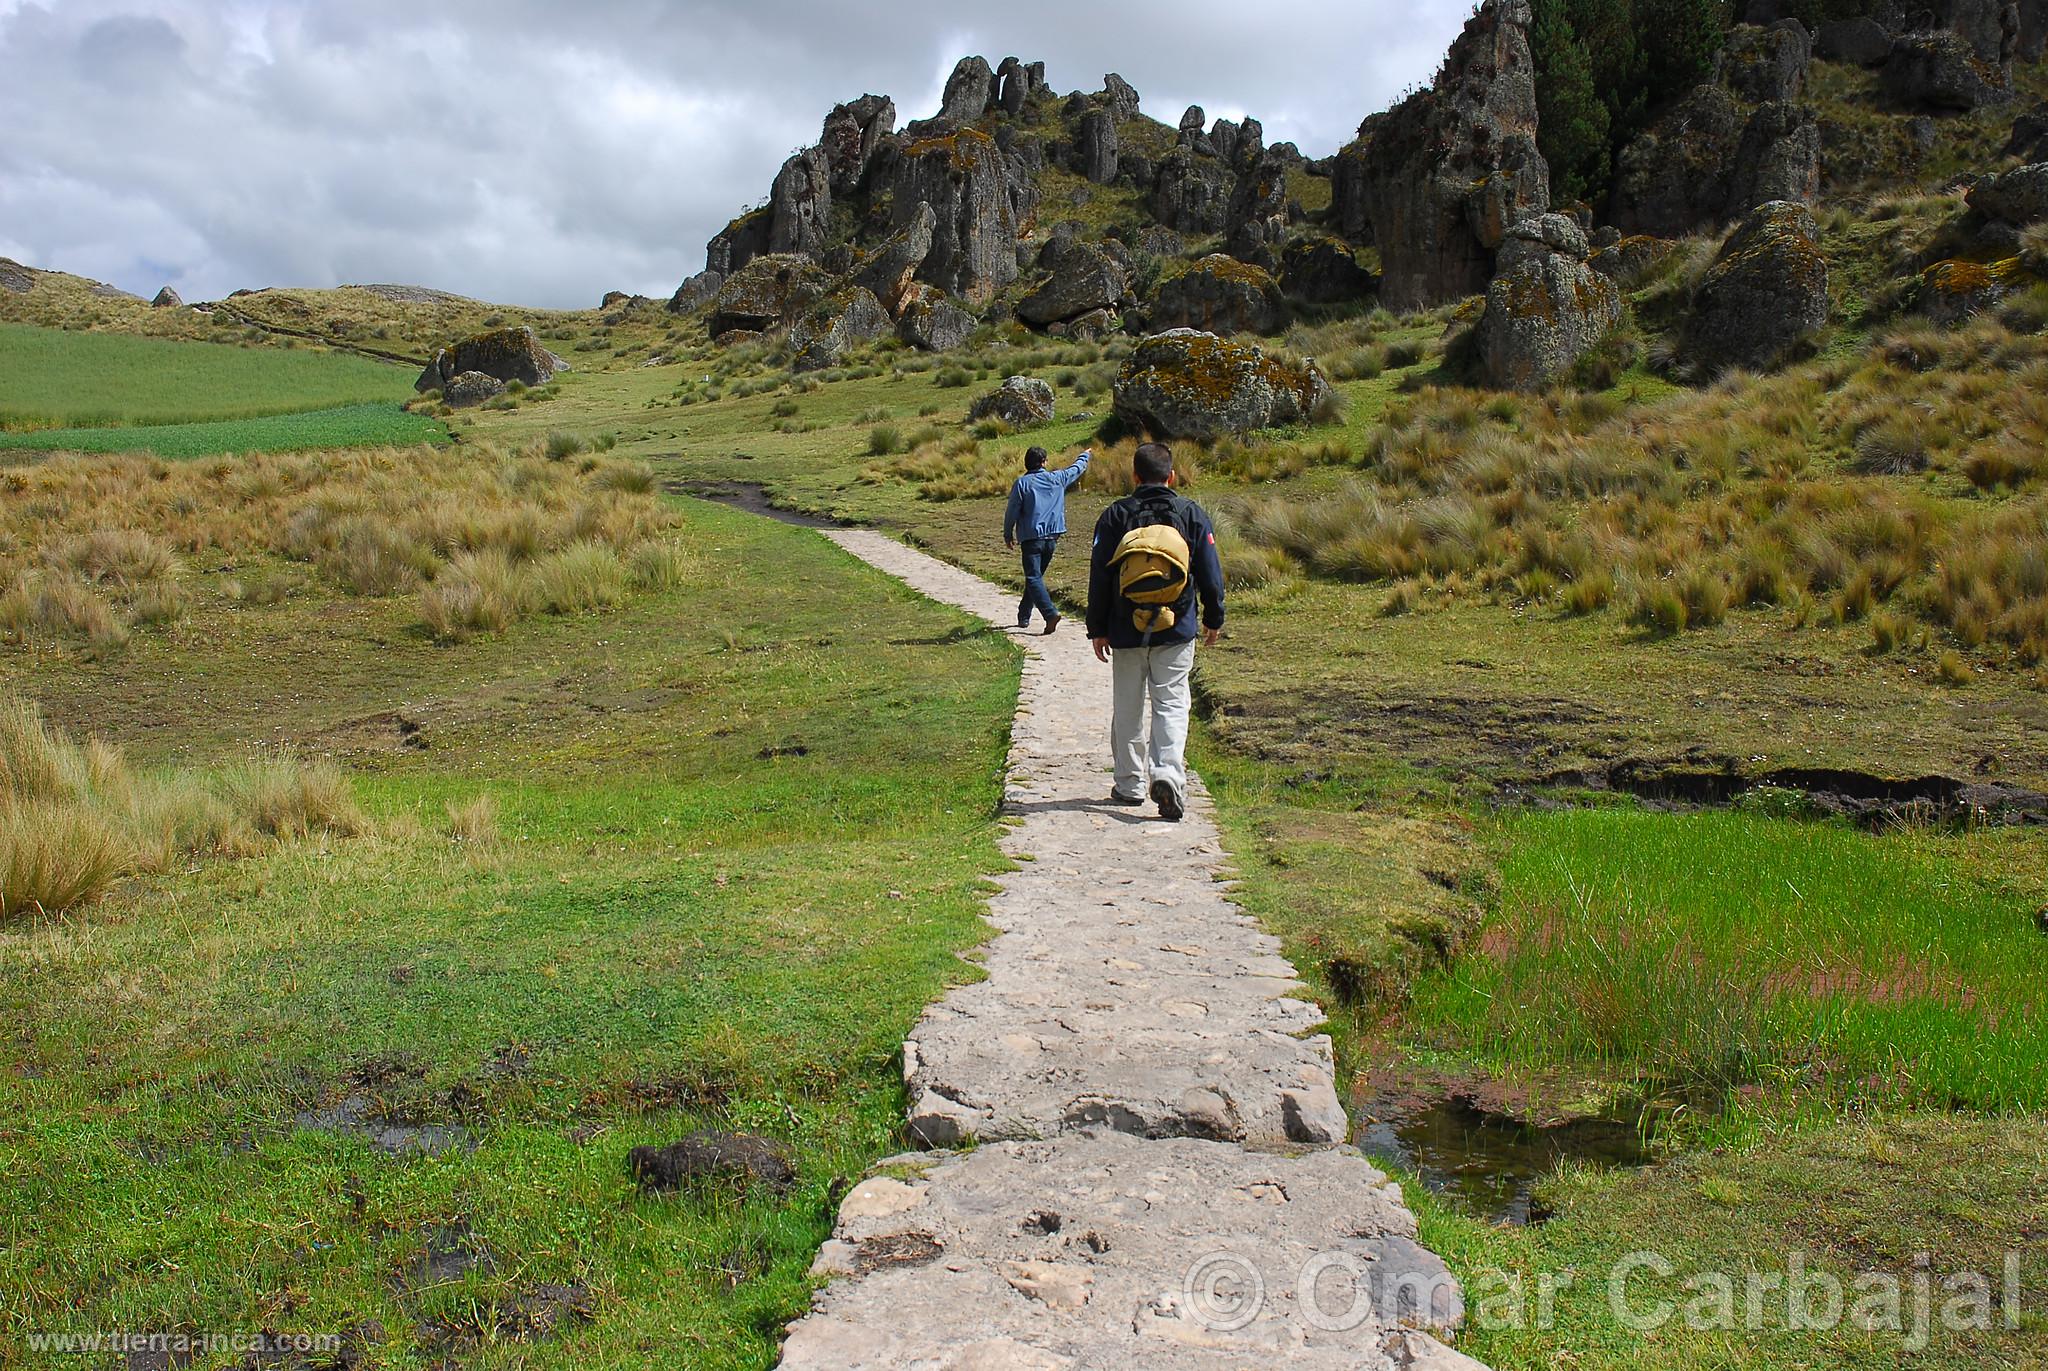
(1109, 614)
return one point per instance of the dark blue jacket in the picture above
(1038, 502)
(1109, 614)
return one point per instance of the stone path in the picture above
(1161, 1179)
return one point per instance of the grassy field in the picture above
(688, 863)
(361, 425)
(58, 380)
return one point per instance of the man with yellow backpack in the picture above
(1154, 558)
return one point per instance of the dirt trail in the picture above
(1162, 1178)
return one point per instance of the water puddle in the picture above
(1489, 1164)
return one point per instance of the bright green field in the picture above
(362, 425)
(50, 378)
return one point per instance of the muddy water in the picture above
(1489, 1164)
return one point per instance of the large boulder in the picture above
(1191, 193)
(1764, 295)
(927, 319)
(2029, 140)
(1080, 277)
(738, 243)
(1990, 27)
(1219, 294)
(1766, 63)
(1859, 41)
(508, 354)
(1188, 384)
(800, 204)
(1020, 402)
(696, 292)
(1951, 292)
(852, 133)
(1451, 167)
(970, 91)
(766, 292)
(1255, 226)
(168, 299)
(1778, 158)
(1098, 146)
(888, 271)
(1323, 271)
(2031, 42)
(2019, 196)
(1628, 261)
(1546, 308)
(963, 177)
(833, 326)
(1940, 73)
(467, 389)
(1704, 161)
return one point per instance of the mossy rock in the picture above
(1220, 294)
(1186, 383)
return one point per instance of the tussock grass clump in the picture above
(473, 823)
(74, 818)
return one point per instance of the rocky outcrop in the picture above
(962, 176)
(800, 204)
(1323, 271)
(970, 90)
(928, 320)
(1765, 294)
(834, 326)
(2030, 44)
(1546, 308)
(696, 292)
(1350, 212)
(2029, 140)
(767, 292)
(1628, 261)
(1080, 277)
(168, 299)
(1450, 168)
(1219, 294)
(1255, 225)
(1991, 28)
(15, 277)
(1020, 402)
(1157, 240)
(888, 271)
(467, 389)
(1761, 64)
(1120, 97)
(1704, 162)
(1191, 193)
(1953, 292)
(1861, 41)
(738, 243)
(2019, 196)
(508, 354)
(1940, 73)
(1097, 147)
(852, 133)
(1188, 384)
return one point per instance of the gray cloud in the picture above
(541, 154)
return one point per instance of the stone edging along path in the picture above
(1144, 1159)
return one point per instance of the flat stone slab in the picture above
(1125, 989)
(1107, 1251)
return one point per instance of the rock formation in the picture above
(1191, 193)
(2017, 197)
(1860, 41)
(833, 326)
(1704, 161)
(506, 354)
(696, 292)
(1765, 294)
(1546, 308)
(800, 204)
(927, 319)
(1763, 64)
(1940, 73)
(1020, 401)
(888, 271)
(1098, 147)
(767, 292)
(852, 133)
(1080, 278)
(1451, 167)
(1219, 294)
(168, 299)
(1323, 271)
(470, 388)
(1255, 224)
(974, 240)
(1188, 384)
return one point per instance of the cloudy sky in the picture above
(543, 153)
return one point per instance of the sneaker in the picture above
(1129, 801)
(1053, 623)
(1169, 801)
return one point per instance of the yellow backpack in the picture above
(1152, 573)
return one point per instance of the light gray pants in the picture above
(1160, 673)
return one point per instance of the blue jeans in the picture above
(1037, 557)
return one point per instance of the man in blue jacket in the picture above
(1037, 516)
(1153, 665)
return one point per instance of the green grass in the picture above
(59, 380)
(738, 843)
(358, 425)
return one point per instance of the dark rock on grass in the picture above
(2019, 196)
(1188, 384)
(471, 388)
(1765, 294)
(1546, 308)
(1157, 240)
(741, 1159)
(1628, 261)
(2029, 140)
(1220, 294)
(1080, 277)
(1953, 292)
(766, 292)
(508, 354)
(1323, 271)
(834, 327)
(1860, 41)
(168, 299)
(1020, 401)
(1766, 63)
(15, 277)
(1938, 72)
(929, 320)
(695, 293)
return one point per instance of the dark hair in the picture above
(1151, 464)
(1034, 459)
